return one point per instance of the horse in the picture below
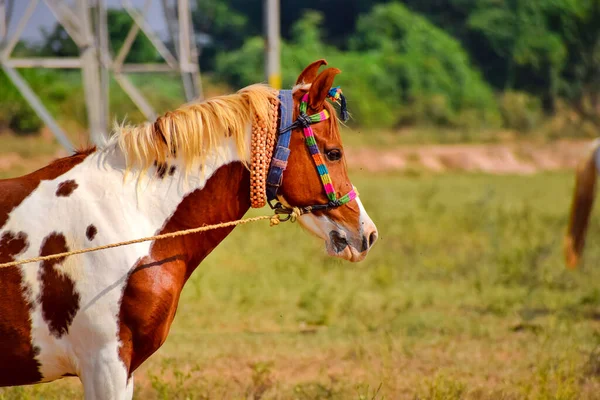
(582, 204)
(100, 315)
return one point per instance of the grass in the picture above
(356, 136)
(28, 146)
(465, 296)
(23, 154)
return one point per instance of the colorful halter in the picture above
(282, 152)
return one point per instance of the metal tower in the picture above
(95, 61)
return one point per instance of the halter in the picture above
(282, 153)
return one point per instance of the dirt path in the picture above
(503, 158)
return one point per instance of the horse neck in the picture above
(172, 199)
(225, 197)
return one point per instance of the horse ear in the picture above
(320, 88)
(310, 73)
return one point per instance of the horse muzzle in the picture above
(354, 249)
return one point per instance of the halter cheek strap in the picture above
(282, 152)
(311, 143)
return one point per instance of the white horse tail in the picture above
(581, 207)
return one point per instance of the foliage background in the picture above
(472, 65)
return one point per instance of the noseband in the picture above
(282, 153)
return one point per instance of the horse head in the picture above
(315, 179)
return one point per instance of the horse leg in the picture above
(105, 378)
(129, 393)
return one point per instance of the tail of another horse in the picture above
(581, 208)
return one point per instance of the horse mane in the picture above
(79, 152)
(195, 131)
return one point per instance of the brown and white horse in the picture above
(583, 202)
(100, 315)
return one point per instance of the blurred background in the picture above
(468, 117)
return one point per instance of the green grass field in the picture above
(465, 296)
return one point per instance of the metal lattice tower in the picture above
(89, 32)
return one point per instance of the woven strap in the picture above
(282, 151)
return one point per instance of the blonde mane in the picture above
(195, 131)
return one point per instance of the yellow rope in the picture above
(274, 221)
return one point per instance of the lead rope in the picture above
(274, 221)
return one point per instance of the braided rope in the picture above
(274, 221)
(264, 135)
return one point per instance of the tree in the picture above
(577, 23)
(400, 69)
(431, 68)
(224, 28)
(339, 16)
(142, 50)
(519, 32)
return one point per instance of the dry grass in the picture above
(464, 297)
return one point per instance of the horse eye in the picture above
(334, 155)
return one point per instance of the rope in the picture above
(273, 218)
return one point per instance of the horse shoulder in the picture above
(14, 190)
(148, 307)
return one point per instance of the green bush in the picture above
(520, 111)
(243, 66)
(63, 94)
(364, 78)
(401, 70)
(432, 70)
(14, 110)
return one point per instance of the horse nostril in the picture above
(372, 238)
(368, 241)
(339, 241)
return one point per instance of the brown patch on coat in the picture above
(18, 366)
(91, 232)
(66, 188)
(14, 191)
(153, 288)
(11, 245)
(58, 297)
(172, 170)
